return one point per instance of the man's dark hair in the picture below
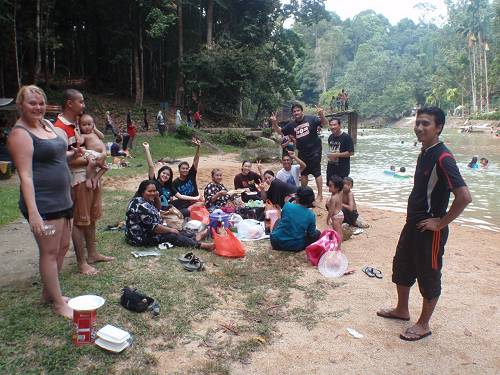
(142, 187)
(183, 163)
(69, 94)
(270, 172)
(296, 105)
(437, 113)
(336, 119)
(245, 161)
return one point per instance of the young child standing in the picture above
(95, 151)
(334, 205)
(348, 203)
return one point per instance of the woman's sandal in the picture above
(194, 265)
(186, 258)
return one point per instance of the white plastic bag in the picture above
(250, 229)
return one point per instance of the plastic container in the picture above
(112, 347)
(84, 318)
(113, 334)
(219, 218)
(333, 264)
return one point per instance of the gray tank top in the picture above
(51, 175)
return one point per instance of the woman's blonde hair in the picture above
(21, 94)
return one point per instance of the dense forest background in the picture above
(236, 57)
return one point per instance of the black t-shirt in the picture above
(188, 186)
(342, 143)
(166, 193)
(306, 134)
(250, 181)
(436, 174)
(279, 190)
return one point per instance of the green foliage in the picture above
(184, 132)
(495, 115)
(231, 137)
(267, 132)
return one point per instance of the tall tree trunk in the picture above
(179, 82)
(210, 21)
(486, 48)
(137, 75)
(131, 78)
(38, 62)
(141, 65)
(16, 56)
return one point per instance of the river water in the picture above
(377, 149)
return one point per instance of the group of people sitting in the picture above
(161, 193)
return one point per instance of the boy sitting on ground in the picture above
(349, 207)
(95, 151)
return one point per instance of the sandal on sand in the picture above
(372, 272)
(385, 314)
(368, 271)
(377, 273)
(186, 258)
(194, 264)
(414, 336)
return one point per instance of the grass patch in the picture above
(255, 289)
(9, 196)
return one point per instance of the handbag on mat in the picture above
(328, 240)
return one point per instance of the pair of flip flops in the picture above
(191, 262)
(372, 272)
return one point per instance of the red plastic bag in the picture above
(228, 245)
(199, 213)
(328, 240)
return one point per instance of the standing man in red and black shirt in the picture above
(419, 253)
(87, 204)
(305, 129)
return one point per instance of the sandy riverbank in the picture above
(465, 338)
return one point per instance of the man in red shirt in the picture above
(87, 205)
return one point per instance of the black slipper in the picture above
(392, 317)
(194, 265)
(369, 271)
(416, 338)
(186, 258)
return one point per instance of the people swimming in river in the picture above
(402, 170)
(473, 164)
(484, 163)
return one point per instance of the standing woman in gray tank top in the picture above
(40, 154)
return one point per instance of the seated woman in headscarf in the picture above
(297, 227)
(144, 225)
(216, 194)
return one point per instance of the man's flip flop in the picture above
(186, 258)
(388, 316)
(416, 338)
(194, 265)
(377, 273)
(368, 271)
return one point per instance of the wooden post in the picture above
(353, 126)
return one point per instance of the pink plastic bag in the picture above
(328, 241)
